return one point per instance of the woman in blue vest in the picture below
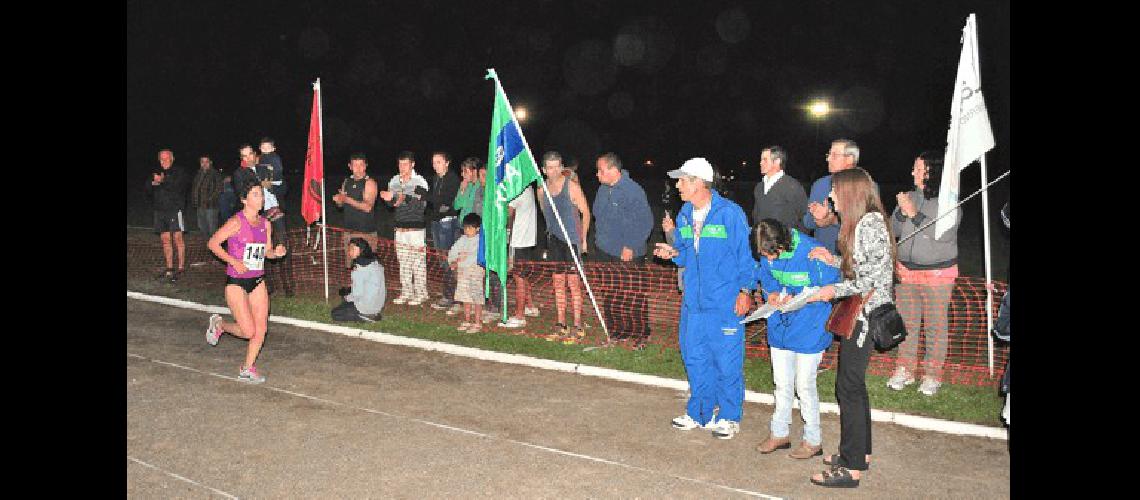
(797, 339)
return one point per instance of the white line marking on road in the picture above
(176, 476)
(456, 429)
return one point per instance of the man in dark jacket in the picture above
(204, 195)
(778, 195)
(443, 221)
(168, 191)
(623, 222)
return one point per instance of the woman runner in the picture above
(249, 241)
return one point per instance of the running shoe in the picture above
(401, 300)
(531, 311)
(214, 330)
(725, 429)
(455, 308)
(685, 423)
(929, 386)
(901, 378)
(415, 301)
(513, 322)
(250, 375)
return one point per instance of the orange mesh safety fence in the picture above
(639, 301)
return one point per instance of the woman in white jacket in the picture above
(365, 300)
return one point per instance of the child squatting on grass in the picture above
(469, 280)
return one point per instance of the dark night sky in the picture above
(650, 80)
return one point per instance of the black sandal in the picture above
(837, 477)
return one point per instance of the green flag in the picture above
(510, 169)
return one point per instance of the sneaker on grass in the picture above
(214, 330)
(531, 311)
(929, 386)
(725, 429)
(901, 378)
(401, 300)
(250, 375)
(513, 322)
(455, 308)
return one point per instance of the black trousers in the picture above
(624, 306)
(346, 311)
(854, 405)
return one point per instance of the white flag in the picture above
(970, 135)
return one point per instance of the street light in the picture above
(818, 110)
(520, 113)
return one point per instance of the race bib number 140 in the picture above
(254, 256)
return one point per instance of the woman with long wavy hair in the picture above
(867, 264)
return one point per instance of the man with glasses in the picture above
(820, 216)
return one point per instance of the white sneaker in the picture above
(250, 375)
(513, 322)
(685, 423)
(929, 386)
(214, 331)
(401, 300)
(455, 308)
(416, 301)
(531, 311)
(725, 429)
(900, 379)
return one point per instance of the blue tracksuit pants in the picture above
(712, 347)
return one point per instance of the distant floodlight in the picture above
(819, 109)
(520, 113)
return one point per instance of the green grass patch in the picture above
(972, 404)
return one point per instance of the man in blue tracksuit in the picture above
(797, 338)
(711, 237)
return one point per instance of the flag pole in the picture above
(545, 190)
(989, 285)
(985, 212)
(324, 219)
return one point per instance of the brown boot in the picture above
(806, 451)
(773, 443)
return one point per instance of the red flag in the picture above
(314, 164)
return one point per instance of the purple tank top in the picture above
(248, 245)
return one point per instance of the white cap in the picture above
(696, 167)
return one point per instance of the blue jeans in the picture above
(793, 373)
(444, 233)
(207, 221)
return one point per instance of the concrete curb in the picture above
(903, 419)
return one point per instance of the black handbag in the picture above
(886, 327)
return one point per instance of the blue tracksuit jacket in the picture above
(710, 333)
(799, 331)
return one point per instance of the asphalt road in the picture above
(349, 418)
